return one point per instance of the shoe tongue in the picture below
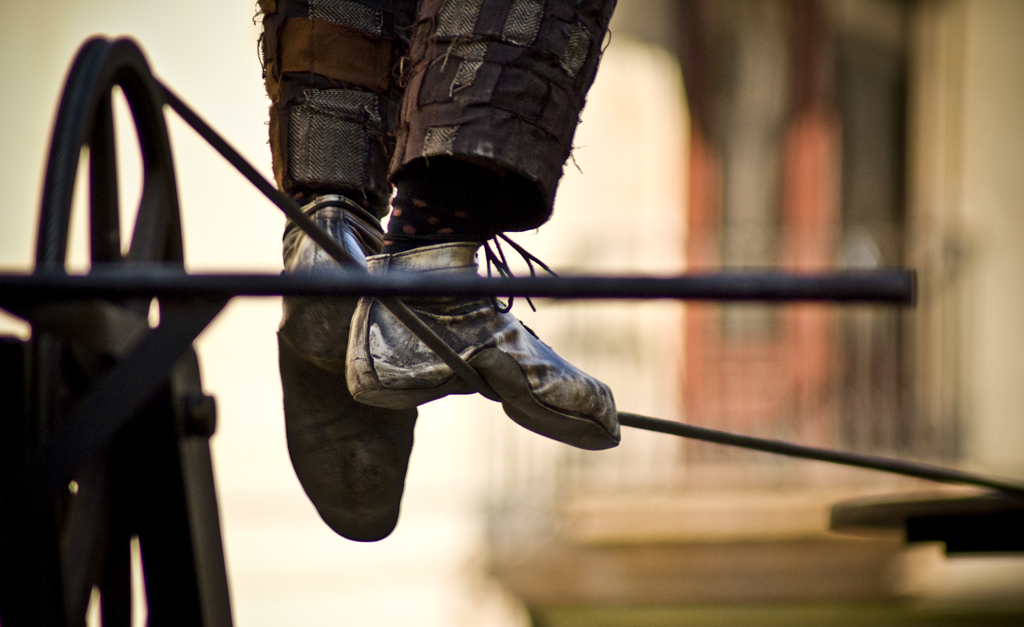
(447, 257)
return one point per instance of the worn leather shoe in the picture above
(350, 458)
(389, 367)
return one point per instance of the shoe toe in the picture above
(389, 367)
(577, 409)
(350, 458)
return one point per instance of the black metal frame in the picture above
(118, 409)
(112, 442)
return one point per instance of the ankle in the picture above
(436, 206)
(446, 199)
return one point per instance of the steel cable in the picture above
(467, 373)
(779, 447)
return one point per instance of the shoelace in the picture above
(500, 263)
(495, 260)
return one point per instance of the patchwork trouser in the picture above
(362, 89)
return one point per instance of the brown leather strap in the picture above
(337, 52)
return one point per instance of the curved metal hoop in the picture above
(85, 119)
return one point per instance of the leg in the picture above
(493, 100)
(330, 70)
(494, 94)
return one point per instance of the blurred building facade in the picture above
(808, 135)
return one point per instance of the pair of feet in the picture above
(353, 375)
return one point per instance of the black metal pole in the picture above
(893, 287)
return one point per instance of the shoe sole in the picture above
(507, 379)
(405, 398)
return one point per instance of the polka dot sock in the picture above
(417, 222)
(429, 211)
(449, 200)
